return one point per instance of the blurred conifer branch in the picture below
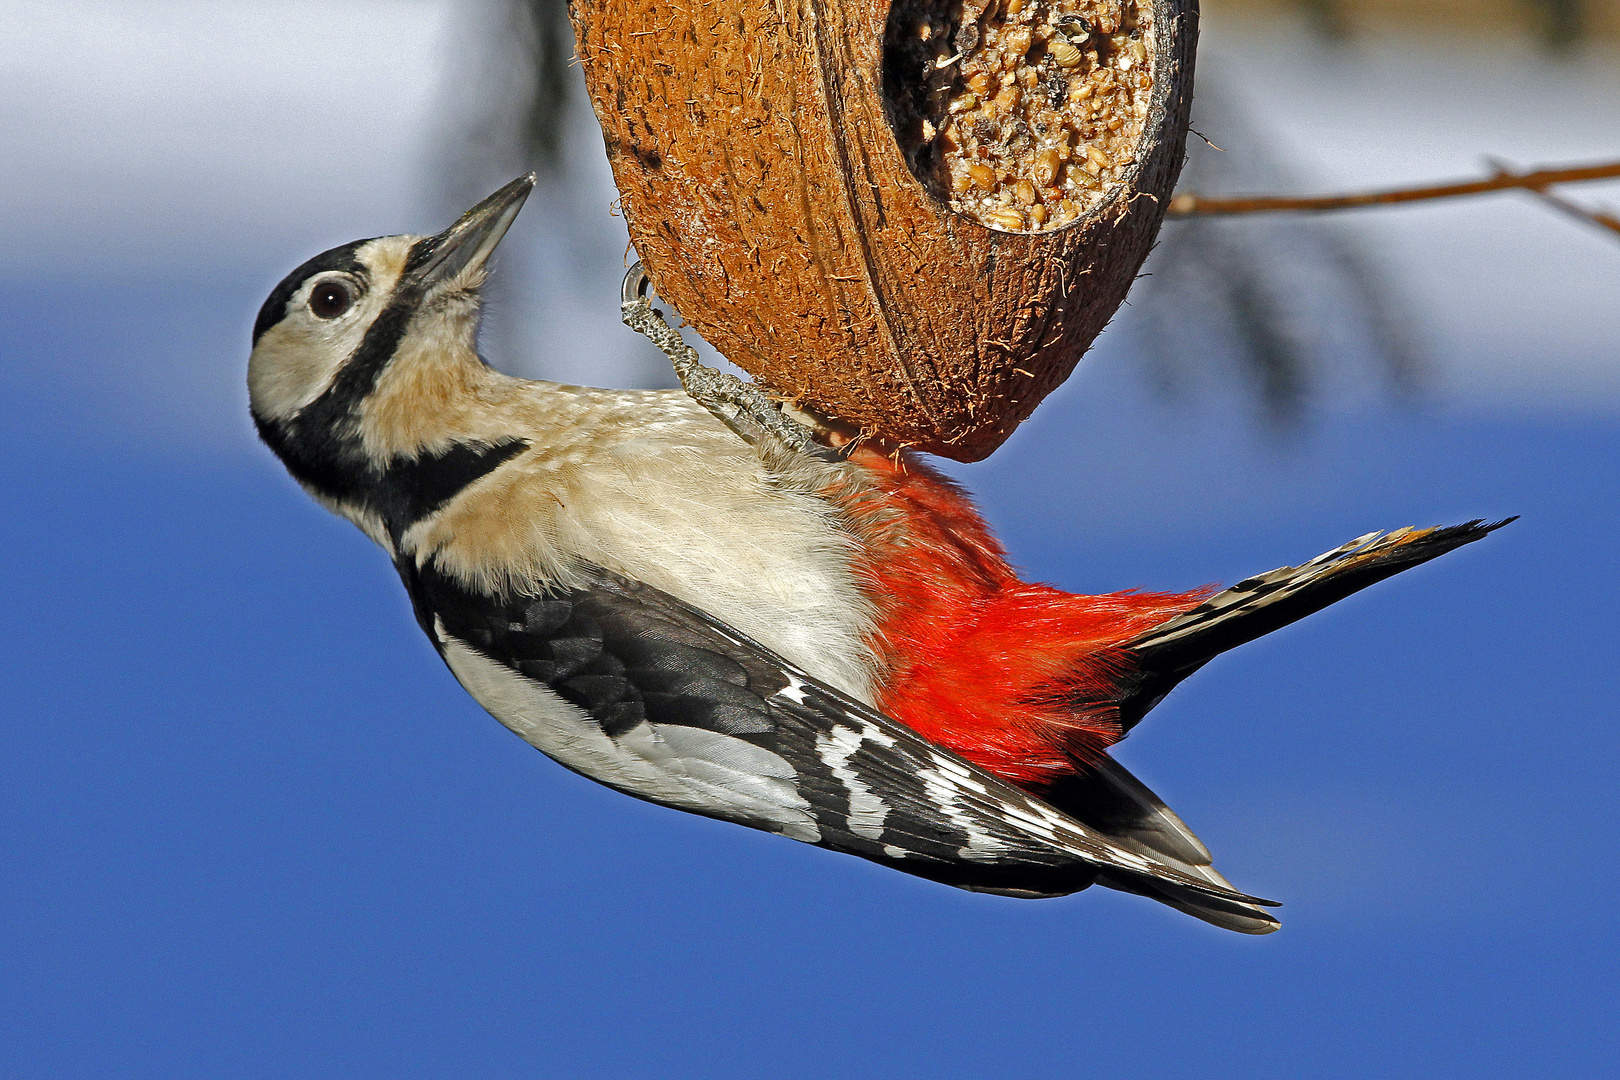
(1561, 25)
(509, 93)
(1286, 309)
(1563, 22)
(550, 41)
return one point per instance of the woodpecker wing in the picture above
(642, 692)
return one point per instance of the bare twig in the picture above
(1191, 203)
(1595, 218)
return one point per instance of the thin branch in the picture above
(1191, 203)
(1596, 218)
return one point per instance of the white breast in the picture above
(648, 485)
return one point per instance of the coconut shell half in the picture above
(913, 216)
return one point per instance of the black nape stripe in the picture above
(409, 489)
(401, 493)
(275, 307)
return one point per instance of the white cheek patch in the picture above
(297, 358)
(678, 766)
(296, 361)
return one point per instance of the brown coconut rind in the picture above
(792, 173)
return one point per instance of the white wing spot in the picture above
(942, 791)
(1039, 824)
(867, 811)
(1055, 830)
(793, 691)
(950, 766)
(958, 773)
(874, 734)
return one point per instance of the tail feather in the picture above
(1118, 805)
(1174, 649)
(1112, 801)
(1227, 914)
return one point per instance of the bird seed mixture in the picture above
(1020, 114)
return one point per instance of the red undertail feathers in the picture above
(1020, 679)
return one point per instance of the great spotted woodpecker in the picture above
(822, 643)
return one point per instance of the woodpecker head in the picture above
(364, 324)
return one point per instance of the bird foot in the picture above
(741, 406)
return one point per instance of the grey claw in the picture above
(635, 286)
(741, 406)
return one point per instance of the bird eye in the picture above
(331, 298)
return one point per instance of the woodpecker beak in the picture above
(468, 244)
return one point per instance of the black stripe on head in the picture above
(337, 409)
(321, 442)
(321, 445)
(275, 306)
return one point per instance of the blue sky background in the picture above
(250, 827)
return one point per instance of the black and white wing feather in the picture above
(642, 692)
